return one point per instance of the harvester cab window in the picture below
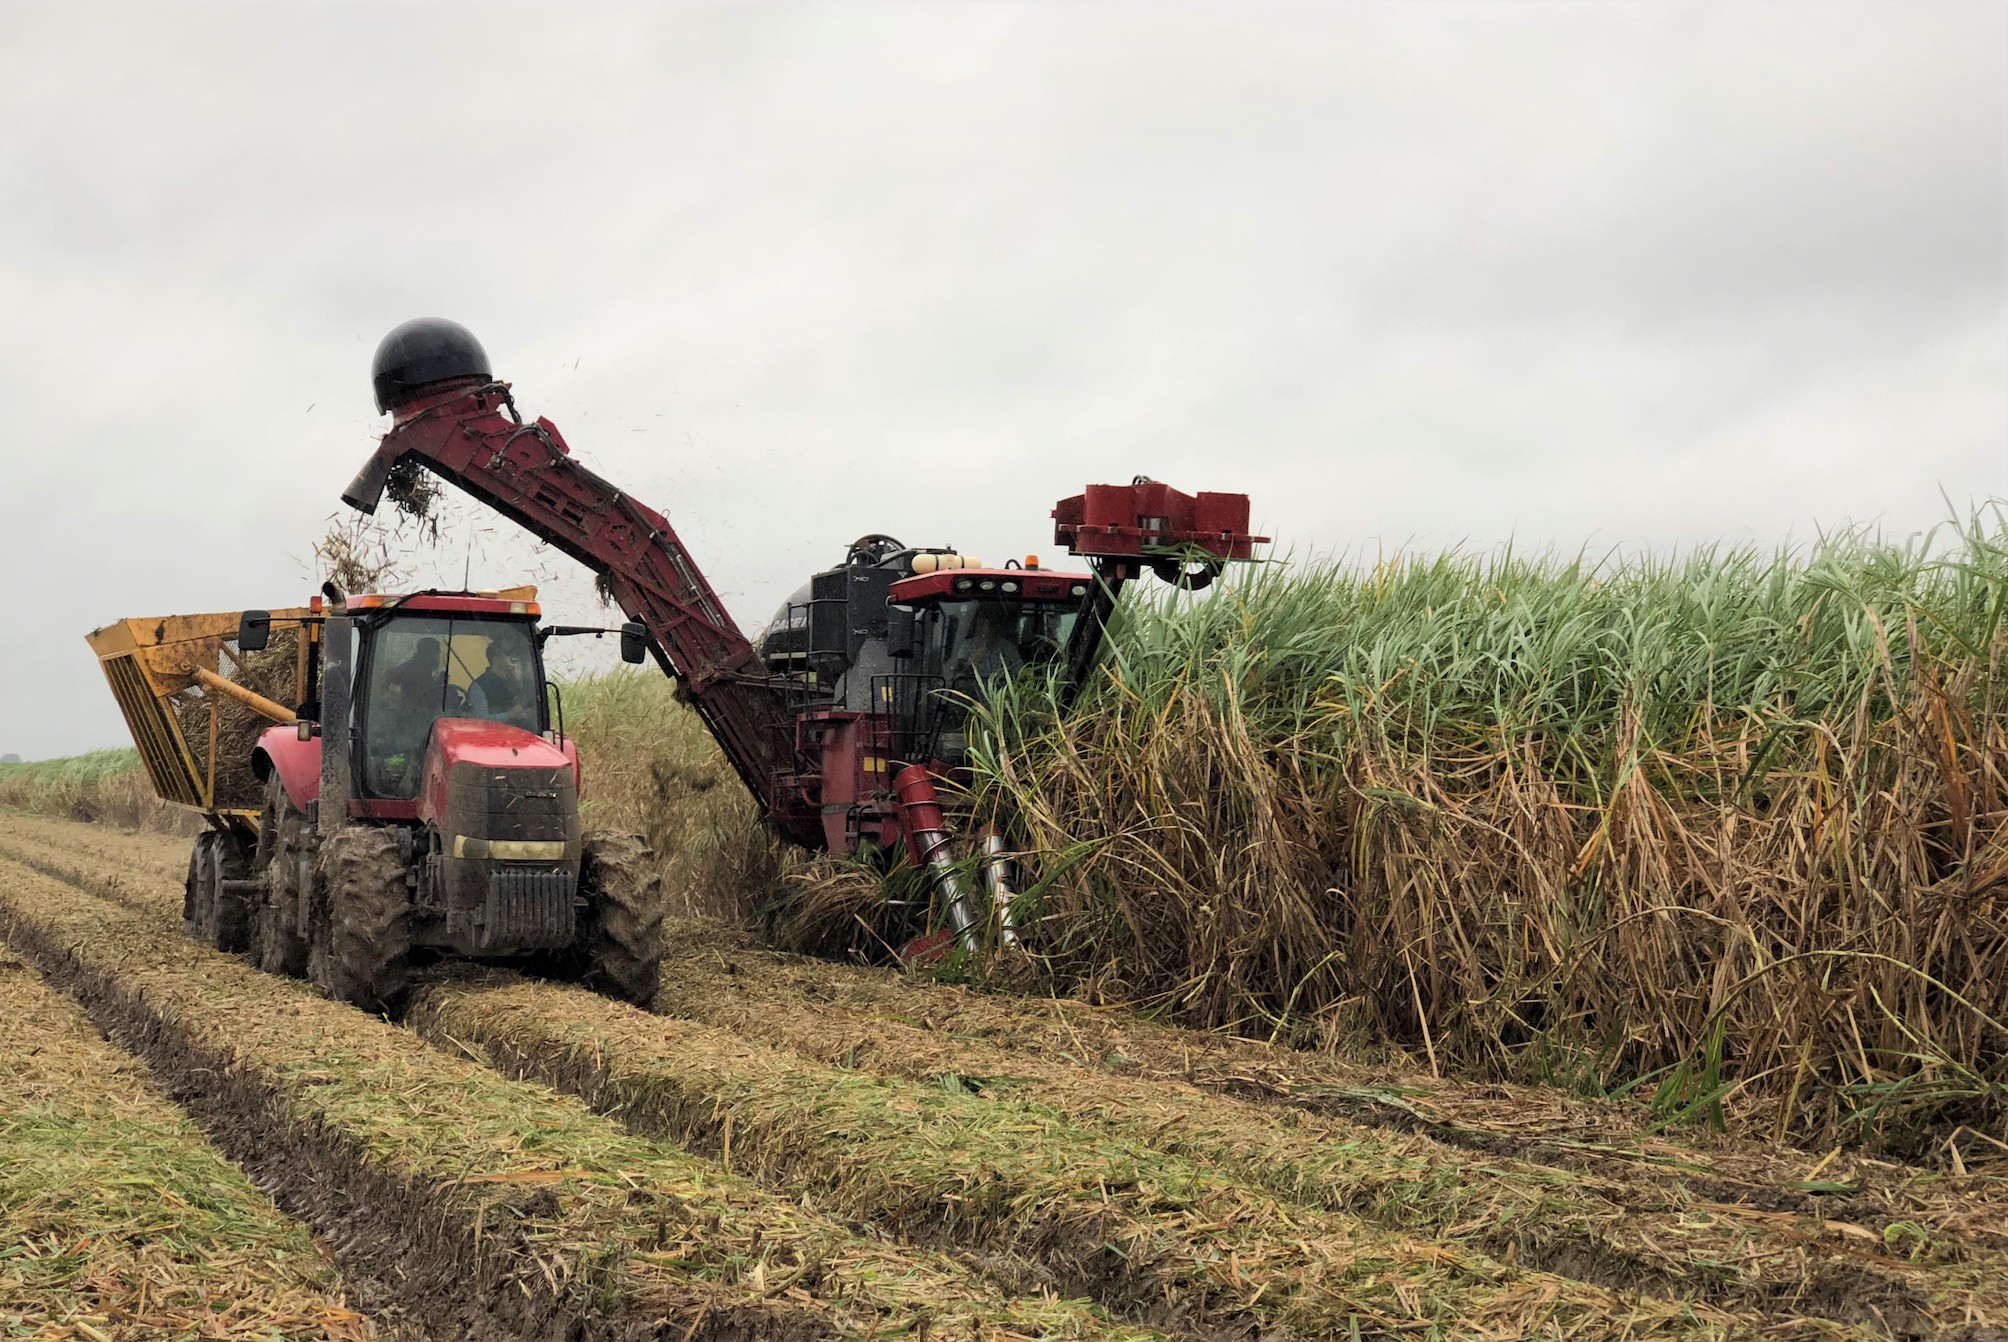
(423, 668)
(983, 641)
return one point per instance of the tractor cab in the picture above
(430, 659)
(430, 732)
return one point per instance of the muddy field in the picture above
(791, 1149)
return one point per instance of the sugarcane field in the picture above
(1005, 672)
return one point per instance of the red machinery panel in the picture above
(1146, 519)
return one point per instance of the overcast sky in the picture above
(1408, 274)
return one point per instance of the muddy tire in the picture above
(362, 944)
(195, 890)
(230, 910)
(278, 941)
(623, 939)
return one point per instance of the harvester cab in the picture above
(891, 652)
(914, 633)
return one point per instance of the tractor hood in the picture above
(494, 745)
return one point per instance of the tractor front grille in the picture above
(536, 805)
(528, 909)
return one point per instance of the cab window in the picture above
(423, 668)
(984, 641)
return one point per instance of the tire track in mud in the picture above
(118, 1215)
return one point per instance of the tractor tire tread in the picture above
(230, 910)
(282, 834)
(365, 958)
(195, 890)
(626, 935)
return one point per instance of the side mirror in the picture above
(634, 644)
(254, 630)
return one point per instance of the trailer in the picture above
(195, 704)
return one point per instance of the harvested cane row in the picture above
(1151, 1234)
(1595, 1228)
(906, 1157)
(497, 1208)
(738, 986)
(1536, 1123)
(126, 850)
(1532, 1122)
(144, 893)
(1148, 1233)
(117, 1219)
(1673, 1235)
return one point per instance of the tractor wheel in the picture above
(230, 910)
(195, 889)
(624, 932)
(282, 835)
(362, 945)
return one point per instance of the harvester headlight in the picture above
(1079, 589)
(965, 585)
(987, 585)
(1009, 586)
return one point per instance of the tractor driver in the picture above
(414, 693)
(506, 690)
(421, 682)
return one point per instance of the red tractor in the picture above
(854, 705)
(424, 803)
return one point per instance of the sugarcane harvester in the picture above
(852, 709)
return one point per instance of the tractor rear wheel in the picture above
(195, 889)
(362, 941)
(624, 929)
(282, 832)
(229, 906)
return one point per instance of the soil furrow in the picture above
(1106, 1215)
(1906, 1252)
(116, 1213)
(1537, 1125)
(499, 1209)
(1648, 1235)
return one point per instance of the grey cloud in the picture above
(1649, 273)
